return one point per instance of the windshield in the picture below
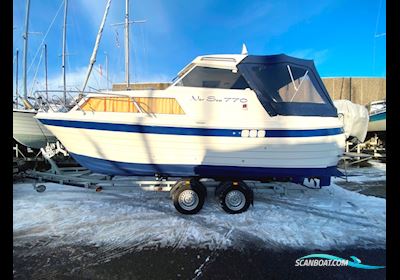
(207, 77)
(287, 88)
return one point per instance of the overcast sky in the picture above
(345, 38)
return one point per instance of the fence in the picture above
(358, 90)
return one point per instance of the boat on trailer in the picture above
(226, 117)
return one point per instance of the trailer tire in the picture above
(234, 197)
(188, 199)
(40, 188)
(193, 182)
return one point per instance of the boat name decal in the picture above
(212, 98)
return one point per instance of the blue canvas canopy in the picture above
(287, 85)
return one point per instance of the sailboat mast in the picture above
(45, 70)
(16, 82)
(127, 43)
(107, 71)
(25, 36)
(126, 25)
(64, 49)
(96, 46)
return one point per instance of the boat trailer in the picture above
(180, 189)
(188, 194)
(82, 177)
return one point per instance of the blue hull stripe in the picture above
(109, 167)
(378, 117)
(187, 130)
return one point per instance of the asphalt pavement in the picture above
(84, 262)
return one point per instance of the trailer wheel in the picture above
(40, 188)
(188, 197)
(234, 197)
(194, 182)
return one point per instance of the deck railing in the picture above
(44, 101)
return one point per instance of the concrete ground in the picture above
(376, 188)
(368, 187)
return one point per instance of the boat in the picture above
(230, 118)
(243, 116)
(355, 119)
(377, 116)
(27, 130)
(30, 132)
(375, 143)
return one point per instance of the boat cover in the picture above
(355, 118)
(275, 77)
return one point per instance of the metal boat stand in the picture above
(21, 158)
(352, 158)
(21, 155)
(373, 147)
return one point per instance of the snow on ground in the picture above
(331, 217)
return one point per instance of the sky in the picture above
(344, 38)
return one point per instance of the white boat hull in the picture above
(148, 149)
(237, 121)
(29, 132)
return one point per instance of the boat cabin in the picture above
(284, 86)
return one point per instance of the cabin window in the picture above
(299, 88)
(287, 86)
(207, 77)
(286, 83)
(152, 105)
